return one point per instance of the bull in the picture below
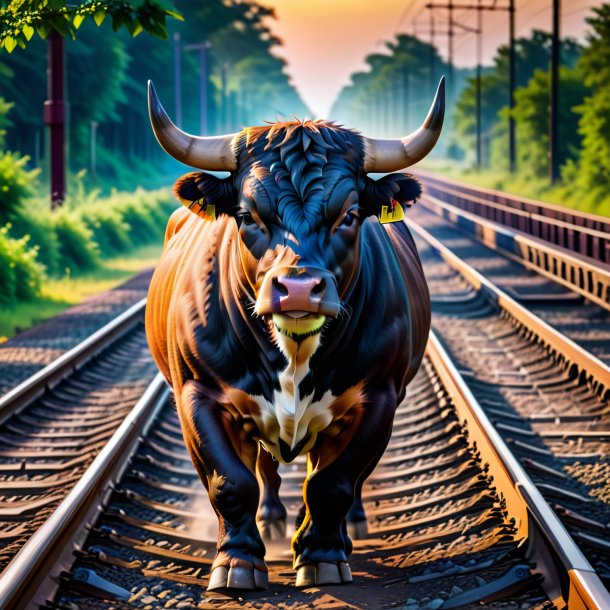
(288, 321)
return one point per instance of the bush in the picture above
(16, 184)
(109, 230)
(38, 225)
(89, 227)
(20, 272)
(77, 249)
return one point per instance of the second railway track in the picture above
(56, 422)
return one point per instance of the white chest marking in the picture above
(289, 415)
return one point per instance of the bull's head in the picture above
(300, 193)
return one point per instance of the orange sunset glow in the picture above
(326, 40)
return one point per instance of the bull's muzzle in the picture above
(297, 292)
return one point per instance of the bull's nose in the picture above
(297, 292)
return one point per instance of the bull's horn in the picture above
(392, 155)
(214, 153)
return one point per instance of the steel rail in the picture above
(566, 351)
(33, 387)
(568, 578)
(586, 234)
(32, 577)
(542, 211)
(576, 272)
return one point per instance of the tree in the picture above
(531, 54)
(531, 115)
(591, 172)
(392, 97)
(21, 19)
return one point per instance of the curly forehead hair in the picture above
(306, 161)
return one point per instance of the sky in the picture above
(326, 40)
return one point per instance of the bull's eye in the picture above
(349, 218)
(246, 218)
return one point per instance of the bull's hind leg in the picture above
(357, 526)
(225, 460)
(321, 545)
(271, 516)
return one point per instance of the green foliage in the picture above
(4, 121)
(531, 114)
(20, 272)
(16, 183)
(590, 173)
(532, 54)
(77, 250)
(106, 84)
(21, 19)
(36, 221)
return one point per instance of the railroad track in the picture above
(54, 424)
(450, 512)
(547, 397)
(569, 247)
(580, 232)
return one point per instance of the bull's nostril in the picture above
(279, 287)
(319, 287)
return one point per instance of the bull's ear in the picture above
(380, 197)
(205, 195)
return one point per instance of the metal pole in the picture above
(223, 96)
(512, 85)
(451, 83)
(432, 52)
(478, 93)
(54, 117)
(92, 143)
(203, 88)
(177, 80)
(554, 116)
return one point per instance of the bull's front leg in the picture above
(271, 517)
(321, 545)
(225, 457)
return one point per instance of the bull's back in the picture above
(187, 237)
(418, 295)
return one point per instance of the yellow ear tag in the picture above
(391, 213)
(205, 211)
(209, 213)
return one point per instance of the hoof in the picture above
(272, 531)
(323, 573)
(358, 530)
(237, 577)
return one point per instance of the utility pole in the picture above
(223, 97)
(93, 146)
(478, 94)
(178, 79)
(554, 91)
(432, 52)
(512, 84)
(55, 118)
(203, 49)
(451, 88)
(451, 6)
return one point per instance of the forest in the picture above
(117, 196)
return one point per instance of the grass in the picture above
(59, 294)
(531, 188)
